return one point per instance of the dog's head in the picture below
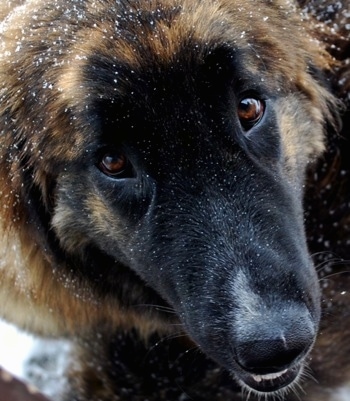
(158, 149)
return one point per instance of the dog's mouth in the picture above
(270, 382)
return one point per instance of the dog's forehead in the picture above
(131, 38)
(131, 50)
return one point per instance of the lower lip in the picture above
(271, 382)
(272, 376)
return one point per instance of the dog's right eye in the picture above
(116, 165)
(250, 112)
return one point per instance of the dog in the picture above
(154, 156)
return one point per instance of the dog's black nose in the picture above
(272, 355)
(273, 348)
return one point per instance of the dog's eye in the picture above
(115, 165)
(250, 112)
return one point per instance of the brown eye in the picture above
(250, 112)
(114, 165)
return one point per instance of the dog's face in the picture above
(171, 144)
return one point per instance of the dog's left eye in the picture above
(115, 165)
(250, 111)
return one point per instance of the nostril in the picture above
(270, 355)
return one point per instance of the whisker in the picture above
(194, 348)
(246, 391)
(169, 337)
(325, 263)
(330, 262)
(160, 308)
(297, 390)
(307, 374)
(333, 274)
(329, 258)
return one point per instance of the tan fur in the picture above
(41, 300)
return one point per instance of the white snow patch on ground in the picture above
(41, 362)
(15, 347)
(341, 394)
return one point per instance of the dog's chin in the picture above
(271, 382)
